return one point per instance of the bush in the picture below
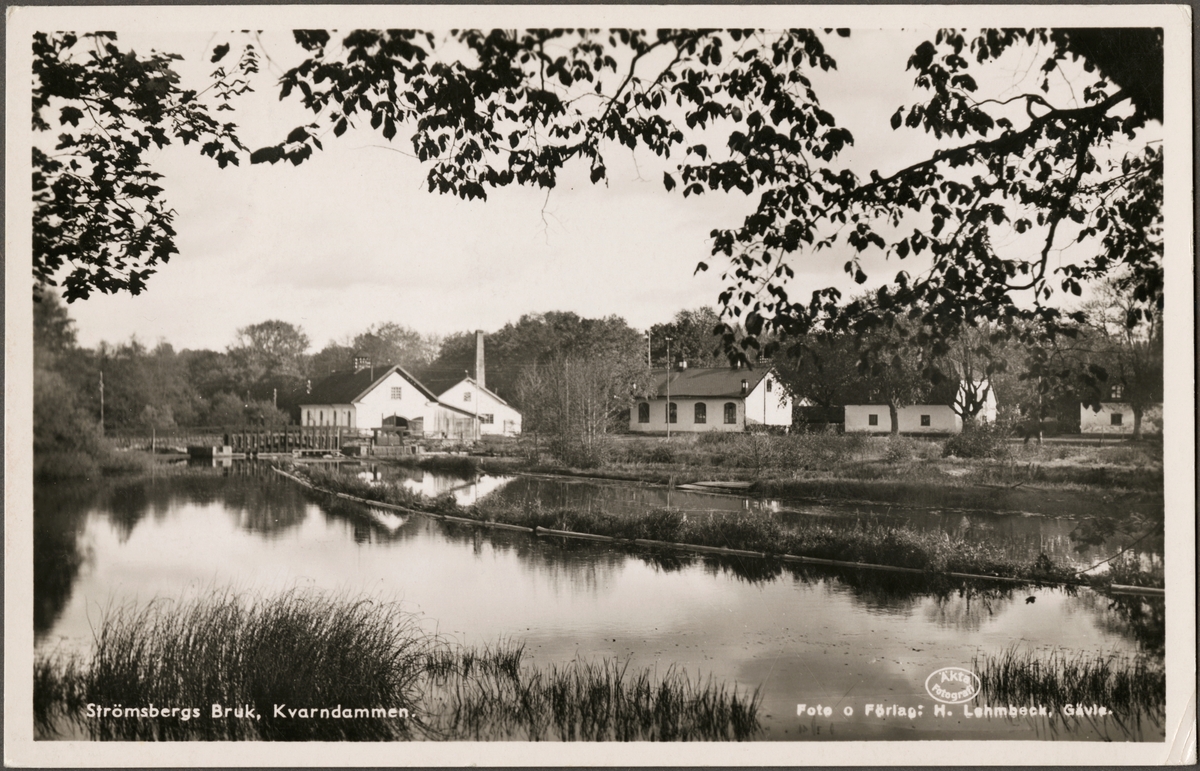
(899, 449)
(978, 440)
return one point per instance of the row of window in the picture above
(317, 417)
(699, 413)
(873, 419)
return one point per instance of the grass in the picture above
(1126, 685)
(494, 698)
(320, 652)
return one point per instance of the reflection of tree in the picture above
(268, 506)
(1141, 619)
(966, 609)
(59, 514)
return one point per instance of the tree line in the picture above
(574, 378)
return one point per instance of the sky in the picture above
(351, 237)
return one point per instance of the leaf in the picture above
(267, 155)
(668, 182)
(219, 52)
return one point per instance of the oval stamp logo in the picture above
(953, 685)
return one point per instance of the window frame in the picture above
(926, 421)
(1116, 419)
(730, 409)
(397, 393)
(643, 412)
(872, 418)
(672, 412)
(700, 413)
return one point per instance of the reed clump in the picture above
(362, 670)
(1125, 685)
(488, 696)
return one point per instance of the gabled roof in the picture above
(471, 380)
(350, 386)
(708, 381)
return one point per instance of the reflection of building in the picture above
(1116, 416)
(373, 397)
(712, 399)
(935, 418)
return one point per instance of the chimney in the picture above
(682, 366)
(479, 373)
(745, 387)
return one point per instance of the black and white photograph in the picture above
(575, 384)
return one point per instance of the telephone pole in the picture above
(668, 388)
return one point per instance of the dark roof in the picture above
(348, 386)
(441, 383)
(708, 381)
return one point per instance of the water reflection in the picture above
(799, 631)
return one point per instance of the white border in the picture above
(21, 750)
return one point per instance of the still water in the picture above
(842, 639)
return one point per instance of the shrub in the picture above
(978, 440)
(899, 449)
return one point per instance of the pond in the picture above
(838, 638)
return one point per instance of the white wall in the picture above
(379, 404)
(685, 414)
(773, 407)
(506, 421)
(1101, 422)
(942, 419)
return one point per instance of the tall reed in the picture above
(328, 654)
(1126, 685)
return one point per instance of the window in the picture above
(487, 420)
(872, 419)
(644, 412)
(672, 413)
(1118, 391)
(701, 412)
(769, 384)
(1115, 418)
(466, 396)
(924, 420)
(730, 413)
(396, 392)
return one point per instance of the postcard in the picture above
(599, 385)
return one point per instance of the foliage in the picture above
(978, 440)
(1045, 174)
(695, 338)
(1127, 346)
(532, 341)
(99, 214)
(1013, 179)
(390, 343)
(576, 403)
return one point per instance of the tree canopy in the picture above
(982, 221)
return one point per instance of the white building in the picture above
(916, 418)
(496, 416)
(371, 397)
(1116, 416)
(712, 399)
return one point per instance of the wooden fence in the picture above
(245, 440)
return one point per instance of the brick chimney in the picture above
(479, 368)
